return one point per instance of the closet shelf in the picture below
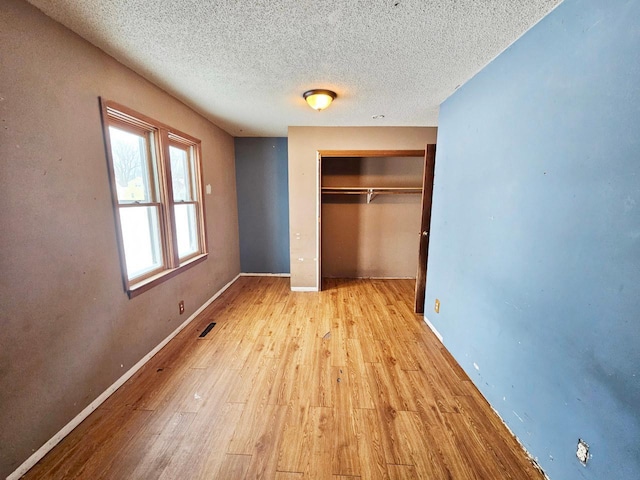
(370, 192)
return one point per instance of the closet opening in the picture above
(370, 214)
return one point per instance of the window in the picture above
(156, 184)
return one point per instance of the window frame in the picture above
(159, 137)
(193, 165)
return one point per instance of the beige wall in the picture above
(304, 143)
(68, 328)
(376, 239)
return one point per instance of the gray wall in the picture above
(535, 247)
(68, 328)
(263, 204)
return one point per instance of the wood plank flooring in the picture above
(344, 384)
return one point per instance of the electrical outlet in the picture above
(583, 451)
(181, 307)
(437, 306)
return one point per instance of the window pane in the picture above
(186, 229)
(141, 238)
(180, 178)
(131, 165)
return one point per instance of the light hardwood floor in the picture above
(345, 383)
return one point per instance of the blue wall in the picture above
(535, 247)
(263, 204)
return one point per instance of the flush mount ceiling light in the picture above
(319, 99)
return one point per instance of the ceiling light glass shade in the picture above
(319, 99)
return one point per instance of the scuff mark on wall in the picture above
(514, 306)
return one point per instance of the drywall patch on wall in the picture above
(263, 204)
(534, 237)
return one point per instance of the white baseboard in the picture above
(433, 329)
(304, 289)
(371, 278)
(533, 460)
(389, 278)
(44, 449)
(265, 274)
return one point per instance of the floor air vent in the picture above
(207, 330)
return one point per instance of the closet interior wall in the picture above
(377, 236)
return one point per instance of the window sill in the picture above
(148, 283)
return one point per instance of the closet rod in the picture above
(370, 192)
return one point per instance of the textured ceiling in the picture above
(245, 64)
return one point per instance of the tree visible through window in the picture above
(156, 184)
(185, 201)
